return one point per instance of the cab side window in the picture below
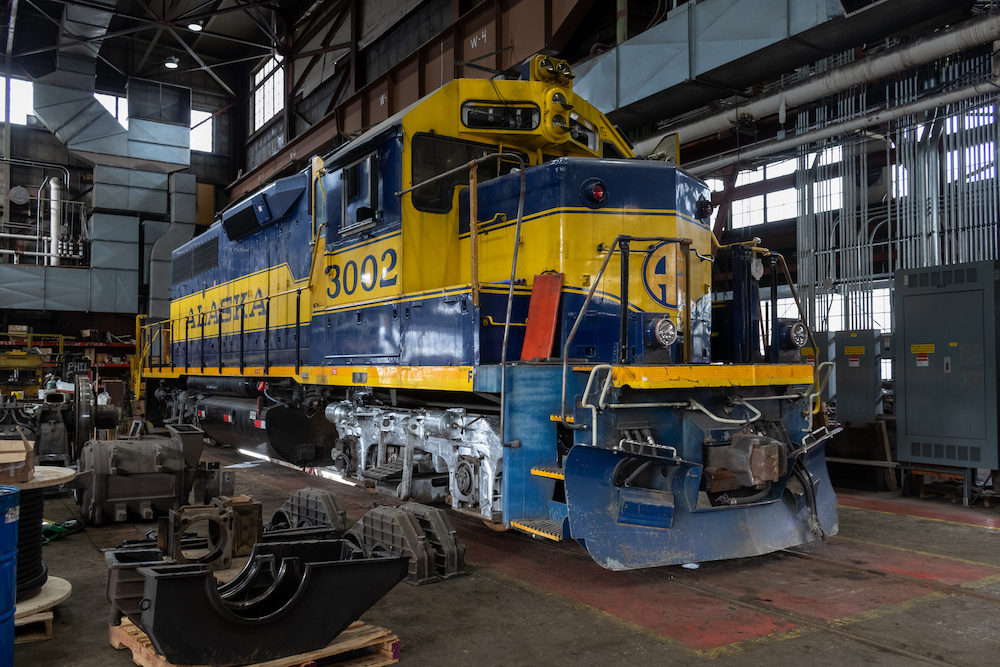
(360, 183)
(434, 155)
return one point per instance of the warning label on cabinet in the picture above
(854, 350)
(922, 349)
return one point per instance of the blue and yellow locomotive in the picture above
(485, 300)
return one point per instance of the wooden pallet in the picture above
(34, 628)
(380, 647)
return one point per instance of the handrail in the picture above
(472, 166)
(683, 242)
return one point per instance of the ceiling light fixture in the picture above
(171, 63)
(195, 26)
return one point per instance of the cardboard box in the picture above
(90, 334)
(17, 459)
(21, 329)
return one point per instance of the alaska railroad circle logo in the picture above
(660, 272)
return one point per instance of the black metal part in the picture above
(224, 386)
(189, 621)
(623, 317)
(31, 571)
(423, 534)
(310, 508)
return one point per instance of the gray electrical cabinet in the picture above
(859, 376)
(946, 365)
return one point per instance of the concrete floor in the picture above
(906, 582)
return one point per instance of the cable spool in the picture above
(31, 571)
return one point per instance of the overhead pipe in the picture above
(705, 167)
(967, 34)
(55, 194)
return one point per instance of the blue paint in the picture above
(9, 511)
(628, 528)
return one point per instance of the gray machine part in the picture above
(212, 481)
(52, 431)
(248, 522)
(752, 459)
(859, 376)
(421, 533)
(449, 551)
(144, 477)
(62, 428)
(220, 532)
(946, 366)
(125, 584)
(308, 508)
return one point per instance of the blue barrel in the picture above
(10, 509)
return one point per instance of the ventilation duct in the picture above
(64, 102)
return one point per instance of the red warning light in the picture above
(595, 192)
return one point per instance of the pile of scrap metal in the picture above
(280, 602)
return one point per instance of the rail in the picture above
(623, 243)
(473, 167)
(152, 330)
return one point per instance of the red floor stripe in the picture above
(646, 598)
(969, 516)
(943, 570)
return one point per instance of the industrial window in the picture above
(268, 92)
(434, 155)
(201, 131)
(747, 212)
(828, 195)
(361, 181)
(116, 106)
(782, 205)
(20, 101)
(783, 168)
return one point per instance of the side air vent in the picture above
(195, 261)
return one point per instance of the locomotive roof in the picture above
(360, 145)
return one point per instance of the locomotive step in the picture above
(547, 528)
(387, 472)
(380, 647)
(552, 472)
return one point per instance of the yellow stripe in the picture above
(444, 378)
(548, 473)
(714, 375)
(534, 531)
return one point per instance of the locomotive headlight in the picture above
(665, 332)
(792, 334)
(798, 334)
